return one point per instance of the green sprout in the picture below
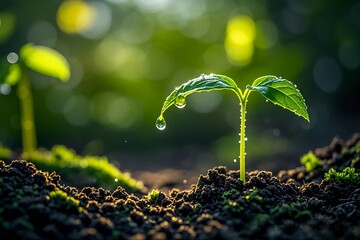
(153, 195)
(15, 71)
(275, 89)
(310, 161)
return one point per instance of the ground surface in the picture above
(292, 204)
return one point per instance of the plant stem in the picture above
(242, 139)
(243, 101)
(27, 115)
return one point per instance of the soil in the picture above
(292, 204)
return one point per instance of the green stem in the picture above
(243, 101)
(242, 140)
(27, 115)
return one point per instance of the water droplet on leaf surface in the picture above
(180, 101)
(160, 123)
(234, 160)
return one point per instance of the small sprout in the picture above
(41, 59)
(153, 195)
(310, 161)
(346, 175)
(277, 90)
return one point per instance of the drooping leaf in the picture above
(204, 83)
(281, 92)
(46, 61)
(13, 75)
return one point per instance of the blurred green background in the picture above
(126, 56)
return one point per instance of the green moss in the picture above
(346, 175)
(310, 161)
(65, 200)
(153, 195)
(66, 161)
(355, 148)
(253, 194)
(230, 194)
(231, 202)
(233, 207)
(293, 210)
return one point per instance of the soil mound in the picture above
(294, 204)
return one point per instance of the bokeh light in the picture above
(239, 42)
(114, 110)
(75, 16)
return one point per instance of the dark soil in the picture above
(292, 204)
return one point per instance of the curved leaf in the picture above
(281, 92)
(14, 74)
(46, 61)
(204, 83)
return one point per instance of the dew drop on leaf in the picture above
(160, 123)
(266, 100)
(234, 160)
(246, 139)
(180, 101)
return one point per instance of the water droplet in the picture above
(160, 123)
(116, 180)
(234, 160)
(12, 58)
(244, 153)
(295, 85)
(266, 100)
(5, 89)
(180, 101)
(239, 141)
(246, 139)
(247, 100)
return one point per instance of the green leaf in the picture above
(281, 92)
(204, 83)
(13, 75)
(46, 61)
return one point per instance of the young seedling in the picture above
(275, 89)
(43, 60)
